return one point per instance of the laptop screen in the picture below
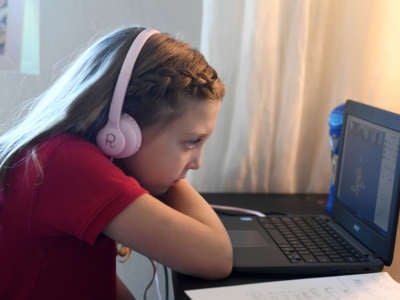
(367, 180)
(368, 170)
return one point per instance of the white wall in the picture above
(66, 28)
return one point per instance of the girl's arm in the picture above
(185, 235)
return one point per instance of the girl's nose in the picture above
(195, 161)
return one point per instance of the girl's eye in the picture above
(192, 143)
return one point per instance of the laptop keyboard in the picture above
(309, 239)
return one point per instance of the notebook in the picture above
(364, 214)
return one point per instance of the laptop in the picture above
(364, 214)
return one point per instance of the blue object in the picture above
(335, 122)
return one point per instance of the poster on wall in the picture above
(3, 25)
(11, 22)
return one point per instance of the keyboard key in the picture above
(323, 258)
(277, 237)
(309, 258)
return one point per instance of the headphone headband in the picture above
(121, 136)
(125, 74)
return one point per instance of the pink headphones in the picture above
(121, 136)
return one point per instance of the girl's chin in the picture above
(157, 191)
(160, 190)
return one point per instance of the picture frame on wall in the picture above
(11, 23)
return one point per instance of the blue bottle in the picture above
(335, 128)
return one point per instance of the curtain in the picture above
(286, 64)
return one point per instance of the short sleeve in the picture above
(81, 190)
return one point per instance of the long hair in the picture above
(166, 73)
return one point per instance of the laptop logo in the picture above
(356, 228)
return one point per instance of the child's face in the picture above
(168, 153)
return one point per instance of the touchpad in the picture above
(246, 238)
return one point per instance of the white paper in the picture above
(362, 286)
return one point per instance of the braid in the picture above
(169, 73)
(166, 80)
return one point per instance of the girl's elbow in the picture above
(222, 266)
(225, 264)
(225, 269)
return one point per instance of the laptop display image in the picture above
(358, 236)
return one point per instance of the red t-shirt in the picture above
(51, 222)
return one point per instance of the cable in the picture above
(153, 277)
(151, 280)
(235, 210)
(239, 211)
(166, 282)
(158, 286)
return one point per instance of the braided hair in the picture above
(168, 73)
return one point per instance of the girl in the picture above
(100, 159)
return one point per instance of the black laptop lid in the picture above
(367, 179)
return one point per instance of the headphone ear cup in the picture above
(132, 135)
(110, 140)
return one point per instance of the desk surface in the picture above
(269, 203)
